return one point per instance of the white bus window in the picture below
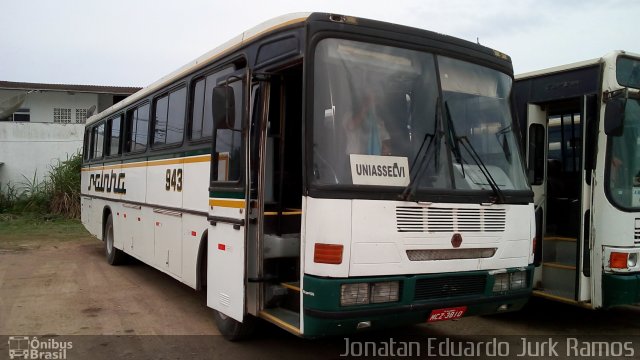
(136, 129)
(202, 119)
(169, 117)
(197, 111)
(229, 143)
(114, 125)
(98, 141)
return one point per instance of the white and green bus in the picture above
(325, 173)
(582, 124)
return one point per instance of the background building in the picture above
(43, 123)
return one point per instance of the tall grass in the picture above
(64, 187)
(58, 194)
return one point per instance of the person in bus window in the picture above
(365, 129)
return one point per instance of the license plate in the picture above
(447, 314)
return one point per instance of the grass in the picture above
(27, 231)
(58, 193)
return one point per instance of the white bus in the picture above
(582, 124)
(325, 173)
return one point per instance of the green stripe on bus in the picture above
(198, 152)
(226, 195)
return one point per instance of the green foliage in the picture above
(58, 194)
(64, 184)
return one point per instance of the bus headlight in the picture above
(510, 281)
(369, 293)
(385, 292)
(518, 280)
(354, 294)
(501, 283)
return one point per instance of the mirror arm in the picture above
(608, 95)
(263, 76)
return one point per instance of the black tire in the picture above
(114, 256)
(233, 330)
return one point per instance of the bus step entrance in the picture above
(283, 318)
(558, 267)
(294, 286)
(285, 295)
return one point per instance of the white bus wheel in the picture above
(114, 256)
(233, 330)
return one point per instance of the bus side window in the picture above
(536, 154)
(113, 136)
(197, 111)
(136, 129)
(98, 141)
(229, 142)
(201, 117)
(87, 146)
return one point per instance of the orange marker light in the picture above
(327, 254)
(618, 260)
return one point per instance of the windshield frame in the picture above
(373, 192)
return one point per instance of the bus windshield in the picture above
(624, 163)
(389, 116)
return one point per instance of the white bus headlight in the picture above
(510, 281)
(354, 294)
(518, 280)
(369, 293)
(385, 292)
(501, 282)
(632, 261)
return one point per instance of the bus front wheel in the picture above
(233, 330)
(114, 256)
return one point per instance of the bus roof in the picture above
(205, 59)
(573, 66)
(558, 69)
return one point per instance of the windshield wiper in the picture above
(483, 169)
(466, 144)
(505, 143)
(410, 189)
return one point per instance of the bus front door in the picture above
(228, 205)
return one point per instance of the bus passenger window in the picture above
(229, 143)
(169, 117)
(136, 129)
(98, 141)
(197, 111)
(113, 129)
(87, 146)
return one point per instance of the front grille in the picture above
(637, 233)
(440, 219)
(449, 286)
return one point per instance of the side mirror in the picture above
(223, 107)
(614, 116)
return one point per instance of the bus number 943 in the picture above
(173, 180)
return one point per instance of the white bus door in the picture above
(226, 261)
(536, 163)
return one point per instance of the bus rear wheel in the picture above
(114, 256)
(233, 330)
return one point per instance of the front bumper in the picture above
(620, 289)
(419, 295)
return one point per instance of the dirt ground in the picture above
(68, 288)
(64, 289)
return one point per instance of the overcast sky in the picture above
(134, 42)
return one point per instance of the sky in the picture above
(135, 42)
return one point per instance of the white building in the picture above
(43, 123)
